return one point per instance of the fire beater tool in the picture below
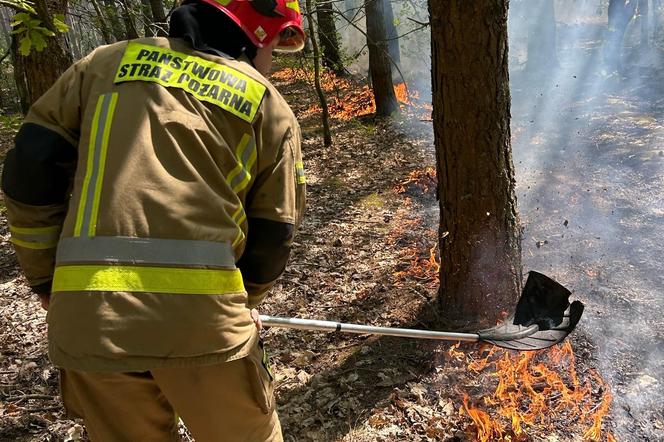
(544, 317)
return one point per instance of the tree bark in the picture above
(380, 66)
(479, 233)
(329, 39)
(542, 55)
(159, 17)
(4, 22)
(37, 72)
(392, 38)
(327, 135)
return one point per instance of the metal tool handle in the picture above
(331, 326)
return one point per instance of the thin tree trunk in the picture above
(380, 66)
(479, 232)
(4, 22)
(159, 17)
(392, 38)
(74, 37)
(329, 40)
(327, 136)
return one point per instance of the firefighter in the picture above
(152, 197)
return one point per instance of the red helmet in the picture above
(263, 20)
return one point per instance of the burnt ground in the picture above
(363, 255)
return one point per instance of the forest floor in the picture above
(367, 253)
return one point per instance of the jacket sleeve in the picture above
(37, 176)
(274, 211)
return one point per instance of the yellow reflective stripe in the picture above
(147, 279)
(35, 237)
(247, 176)
(36, 230)
(88, 170)
(239, 217)
(205, 80)
(33, 244)
(239, 151)
(102, 165)
(88, 206)
(299, 172)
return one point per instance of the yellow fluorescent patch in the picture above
(147, 279)
(207, 81)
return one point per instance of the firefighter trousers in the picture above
(232, 401)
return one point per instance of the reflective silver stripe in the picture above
(128, 250)
(86, 217)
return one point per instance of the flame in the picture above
(532, 389)
(347, 100)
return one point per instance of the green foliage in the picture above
(32, 33)
(11, 122)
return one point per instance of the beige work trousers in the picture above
(232, 401)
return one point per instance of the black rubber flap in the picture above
(544, 317)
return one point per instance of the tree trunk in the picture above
(392, 38)
(542, 55)
(479, 232)
(380, 66)
(37, 72)
(4, 22)
(327, 136)
(329, 39)
(621, 13)
(159, 17)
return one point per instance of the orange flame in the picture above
(532, 388)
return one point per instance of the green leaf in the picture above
(45, 31)
(38, 41)
(59, 23)
(24, 46)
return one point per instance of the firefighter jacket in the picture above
(154, 190)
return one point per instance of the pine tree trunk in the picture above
(479, 232)
(329, 39)
(159, 17)
(542, 55)
(380, 66)
(392, 38)
(327, 135)
(37, 72)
